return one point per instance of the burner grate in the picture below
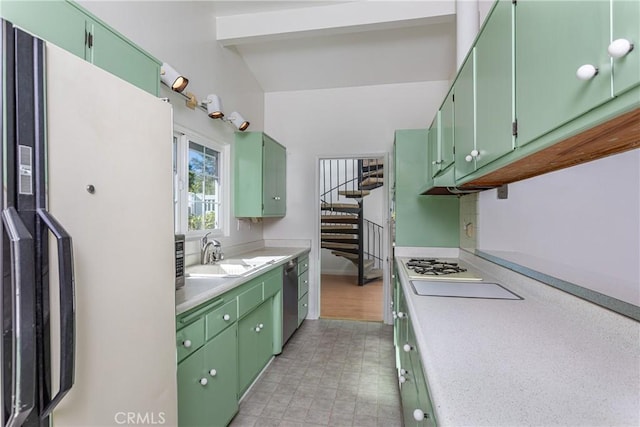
(433, 267)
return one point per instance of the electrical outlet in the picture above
(503, 192)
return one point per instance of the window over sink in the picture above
(201, 184)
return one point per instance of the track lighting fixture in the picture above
(213, 104)
(238, 121)
(170, 77)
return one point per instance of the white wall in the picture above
(183, 34)
(337, 123)
(580, 224)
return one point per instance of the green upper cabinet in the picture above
(465, 118)
(70, 27)
(420, 220)
(626, 70)
(553, 40)
(113, 53)
(55, 21)
(260, 165)
(433, 147)
(445, 143)
(494, 85)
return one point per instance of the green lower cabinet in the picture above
(417, 409)
(207, 383)
(255, 343)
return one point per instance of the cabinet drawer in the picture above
(249, 299)
(303, 283)
(273, 283)
(221, 317)
(303, 308)
(190, 338)
(303, 264)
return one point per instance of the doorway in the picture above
(353, 216)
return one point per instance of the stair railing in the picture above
(372, 242)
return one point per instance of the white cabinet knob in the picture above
(276, 197)
(619, 48)
(257, 329)
(186, 343)
(468, 158)
(226, 317)
(306, 281)
(394, 314)
(213, 372)
(305, 305)
(474, 153)
(418, 415)
(586, 72)
(261, 326)
(402, 379)
(306, 265)
(203, 381)
(403, 372)
(407, 348)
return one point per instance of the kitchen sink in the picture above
(485, 290)
(221, 269)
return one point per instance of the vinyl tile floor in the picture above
(330, 373)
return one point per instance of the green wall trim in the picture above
(605, 301)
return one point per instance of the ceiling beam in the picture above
(328, 20)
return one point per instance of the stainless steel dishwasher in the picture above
(290, 300)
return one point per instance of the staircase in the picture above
(344, 229)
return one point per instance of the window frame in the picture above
(181, 182)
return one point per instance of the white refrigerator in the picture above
(90, 178)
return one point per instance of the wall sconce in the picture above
(214, 106)
(238, 121)
(170, 77)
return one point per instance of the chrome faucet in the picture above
(210, 251)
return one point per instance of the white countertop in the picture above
(198, 291)
(550, 359)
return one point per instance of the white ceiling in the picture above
(304, 45)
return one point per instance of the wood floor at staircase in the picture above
(342, 298)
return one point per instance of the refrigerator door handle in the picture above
(67, 308)
(23, 382)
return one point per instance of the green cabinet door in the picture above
(432, 164)
(626, 25)
(464, 107)
(274, 169)
(493, 88)
(207, 383)
(116, 55)
(54, 21)
(220, 368)
(259, 165)
(554, 39)
(445, 158)
(191, 393)
(255, 343)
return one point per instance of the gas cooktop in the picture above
(437, 269)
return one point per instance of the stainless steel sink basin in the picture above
(486, 290)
